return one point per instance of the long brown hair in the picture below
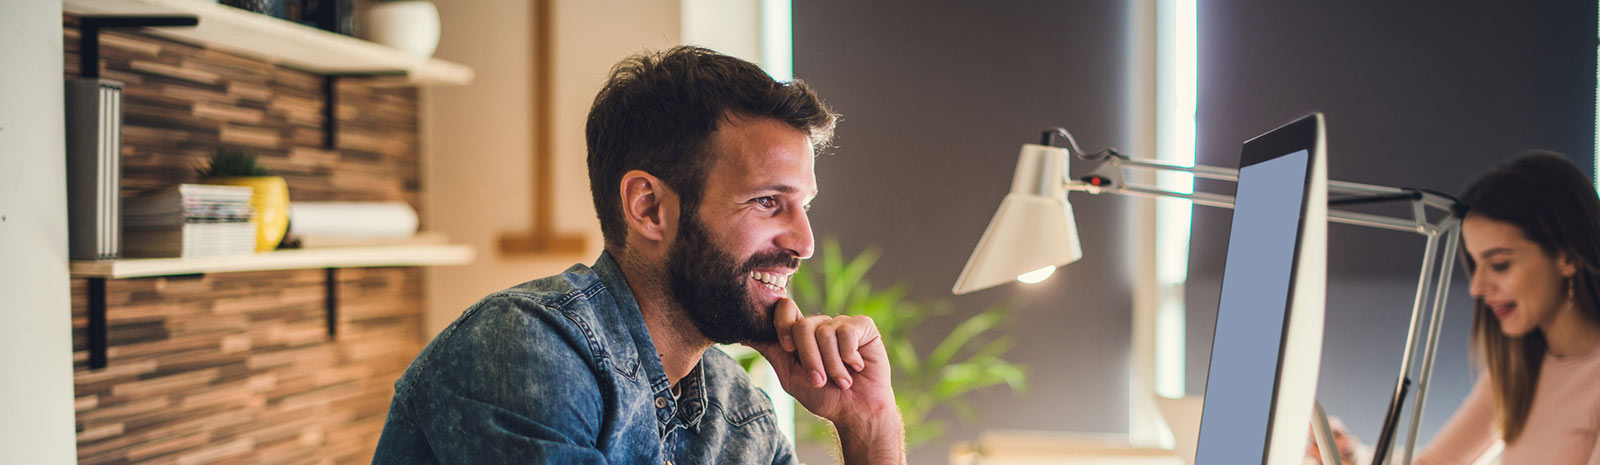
(1550, 200)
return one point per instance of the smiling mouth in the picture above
(1503, 310)
(776, 282)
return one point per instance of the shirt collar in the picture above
(628, 313)
(692, 398)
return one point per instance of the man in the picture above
(701, 169)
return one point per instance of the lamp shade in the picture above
(1033, 229)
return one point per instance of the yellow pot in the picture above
(271, 204)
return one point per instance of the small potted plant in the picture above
(235, 167)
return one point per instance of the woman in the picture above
(1531, 240)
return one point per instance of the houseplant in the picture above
(967, 358)
(236, 167)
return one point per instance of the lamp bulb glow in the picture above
(1036, 275)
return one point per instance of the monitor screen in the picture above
(1253, 309)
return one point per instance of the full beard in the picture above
(712, 287)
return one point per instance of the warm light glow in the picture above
(1037, 275)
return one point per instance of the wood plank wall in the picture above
(238, 367)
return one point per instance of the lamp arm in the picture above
(1199, 171)
(1109, 174)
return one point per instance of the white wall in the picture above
(478, 138)
(732, 27)
(36, 416)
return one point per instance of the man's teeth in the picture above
(775, 281)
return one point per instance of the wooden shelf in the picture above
(278, 41)
(340, 257)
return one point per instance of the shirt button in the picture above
(661, 402)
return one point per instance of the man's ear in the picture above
(649, 207)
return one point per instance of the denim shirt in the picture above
(561, 370)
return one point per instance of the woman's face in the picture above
(1522, 285)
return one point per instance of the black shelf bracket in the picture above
(89, 35)
(330, 104)
(330, 111)
(333, 303)
(97, 323)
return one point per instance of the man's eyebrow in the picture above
(783, 188)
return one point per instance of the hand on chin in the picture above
(836, 367)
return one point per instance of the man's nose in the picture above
(797, 237)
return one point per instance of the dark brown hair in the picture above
(658, 110)
(1549, 199)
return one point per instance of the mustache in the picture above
(774, 259)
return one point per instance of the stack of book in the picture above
(189, 220)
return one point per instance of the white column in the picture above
(1144, 421)
(36, 413)
(1162, 101)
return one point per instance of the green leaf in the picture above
(994, 349)
(962, 334)
(1016, 376)
(803, 288)
(232, 162)
(840, 277)
(903, 356)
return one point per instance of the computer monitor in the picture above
(1268, 342)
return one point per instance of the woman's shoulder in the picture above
(1569, 382)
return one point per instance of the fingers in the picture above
(823, 347)
(784, 318)
(805, 343)
(828, 342)
(850, 346)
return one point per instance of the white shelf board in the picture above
(334, 257)
(277, 41)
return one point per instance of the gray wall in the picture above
(937, 99)
(1417, 95)
(36, 424)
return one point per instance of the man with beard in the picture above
(701, 169)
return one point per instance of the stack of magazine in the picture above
(189, 220)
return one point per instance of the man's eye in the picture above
(1499, 266)
(766, 202)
